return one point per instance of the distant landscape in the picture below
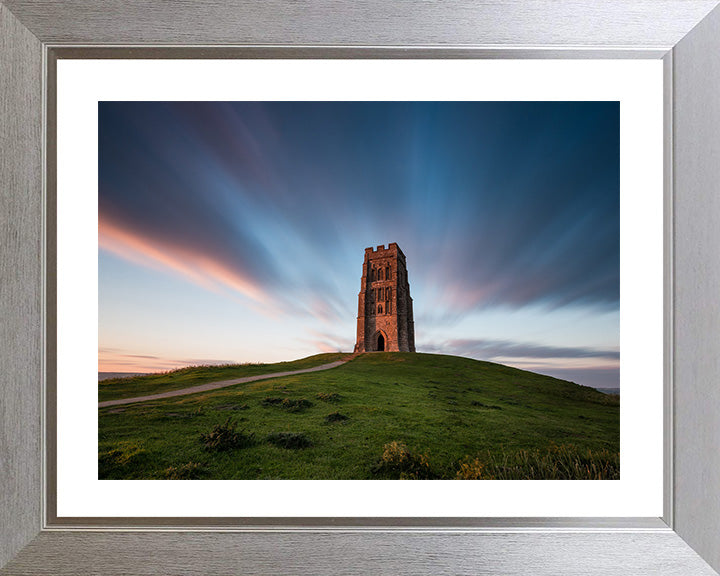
(384, 415)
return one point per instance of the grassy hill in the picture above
(381, 415)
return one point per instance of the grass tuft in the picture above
(189, 471)
(398, 462)
(335, 417)
(289, 404)
(473, 470)
(289, 440)
(331, 397)
(225, 437)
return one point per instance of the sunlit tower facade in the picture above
(385, 311)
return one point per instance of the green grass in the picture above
(564, 462)
(117, 388)
(443, 413)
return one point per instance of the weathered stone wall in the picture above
(385, 317)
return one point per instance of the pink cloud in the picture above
(199, 268)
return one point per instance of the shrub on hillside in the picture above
(225, 437)
(289, 440)
(289, 404)
(335, 417)
(398, 462)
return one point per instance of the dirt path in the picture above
(219, 384)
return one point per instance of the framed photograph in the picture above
(149, 166)
(342, 172)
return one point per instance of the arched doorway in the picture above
(381, 343)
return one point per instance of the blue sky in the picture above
(235, 232)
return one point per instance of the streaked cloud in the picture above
(488, 349)
(202, 268)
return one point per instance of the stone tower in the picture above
(385, 313)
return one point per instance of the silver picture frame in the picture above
(685, 34)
